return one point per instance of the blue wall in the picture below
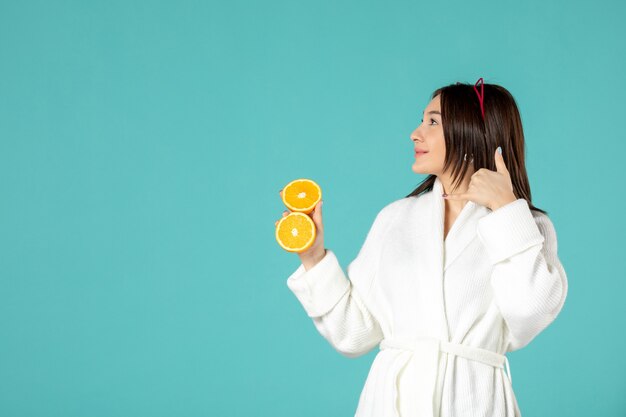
(142, 147)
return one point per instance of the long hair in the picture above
(465, 132)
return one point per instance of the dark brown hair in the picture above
(465, 133)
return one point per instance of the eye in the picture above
(432, 120)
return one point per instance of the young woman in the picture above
(450, 277)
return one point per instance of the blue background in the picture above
(142, 147)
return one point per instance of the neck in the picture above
(446, 182)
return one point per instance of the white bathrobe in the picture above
(443, 313)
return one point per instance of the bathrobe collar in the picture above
(463, 230)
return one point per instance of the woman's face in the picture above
(428, 136)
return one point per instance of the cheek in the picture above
(438, 148)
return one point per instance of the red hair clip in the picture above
(481, 95)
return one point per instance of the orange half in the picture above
(301, 195)
(295, 232)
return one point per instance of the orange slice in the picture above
(301, 195)
(295, 232)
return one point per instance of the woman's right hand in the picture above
(316, 252)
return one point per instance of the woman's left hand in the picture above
(492, 189)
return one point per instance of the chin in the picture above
(419, 170)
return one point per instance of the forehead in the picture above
(434, 105)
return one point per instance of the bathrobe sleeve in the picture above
(529, 283)
(336, 303)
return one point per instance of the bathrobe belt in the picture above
(427, 389)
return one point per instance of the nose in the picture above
(416, 135)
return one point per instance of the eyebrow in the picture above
(434, 112)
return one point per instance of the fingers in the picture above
(455, 196)
(285, 213)
(316, 214)
(500, 164)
